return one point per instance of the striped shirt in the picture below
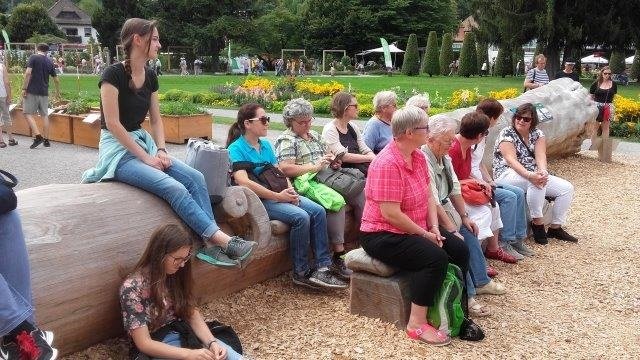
(538, 76)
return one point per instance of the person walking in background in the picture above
(183, 67)
(5, 101)
(35, 92)
(537, 76)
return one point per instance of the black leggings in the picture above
(424, 260)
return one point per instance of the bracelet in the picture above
(163, 149)
(464, 215)
(209, 344)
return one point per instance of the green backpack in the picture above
(447, 314)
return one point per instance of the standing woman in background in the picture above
(602, 92)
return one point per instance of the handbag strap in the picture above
(524, 144)
(13, 180)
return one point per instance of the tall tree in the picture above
(411, 63)
(446, 53)
(28, 19)
(482, 53)
(504, 64)
(108, 20)
(468, 57)
(616, 62)
(430, 63)
(635, 67)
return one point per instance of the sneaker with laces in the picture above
(303, 279)
(214, 255)
(520, 247)
(561, 234)
(492, 288)
(503, 254)
(36, 141)
(339, 268)
(35, 345)
(508, 248)
(239, 248)
(324, 278)
(46, 143)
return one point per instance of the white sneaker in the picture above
(492, 288)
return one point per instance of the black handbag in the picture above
(8, 200)
(271, 177)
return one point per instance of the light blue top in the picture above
(111, 152)
(377, 134)
(241, 150)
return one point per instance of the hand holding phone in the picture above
(337, 160)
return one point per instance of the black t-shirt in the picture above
(133, 105)
(349, 140)
(573, 76)
(41, 67)
(603, 95)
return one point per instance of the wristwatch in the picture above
(465, 214)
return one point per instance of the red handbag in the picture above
(475, 193)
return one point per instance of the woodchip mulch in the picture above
(569, 302)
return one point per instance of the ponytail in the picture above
(246, 112)
(235, 132)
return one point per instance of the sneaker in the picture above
(46, 143)
(521, 248)
(303, 279)
(239, 248)
(339, 268)
(36, 141)
(539, 235)
(560, 234)
(503, 255)
(33, 346)
(9, 351)
(492, 288)
(13, 142)
(214, 255)
(508, 248)
(325, 278)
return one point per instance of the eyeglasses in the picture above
(606, 73)
(422, 128)
(304, 122)
(354, 105)
(263, 119)
(526, 119)
(180, 260)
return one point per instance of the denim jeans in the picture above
(182, 186)
(173, 339)
(477, 262)
(512, 212)
(15, 278)
(308, 222)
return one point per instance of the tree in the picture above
(446, 53)
(468, 58)
(27, 19)
(482, 53)
(411, 63)
(430, 63)
(89, 6)
(504, 64)
(47, 39)
(108, 20)
(616, 62)
(635, 67)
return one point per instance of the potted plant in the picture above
(183, 120)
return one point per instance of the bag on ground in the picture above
(447, 313)
(213, 162)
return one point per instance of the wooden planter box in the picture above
(20, 125)
(85, 134)
(179, 128)
(59, 127)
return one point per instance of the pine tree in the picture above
(430, 63)
(468, 58)
(616, 62)
(504, 65)
(446, 53)
(411, 63)
(518, 57)
(483, 56)
(635, 67)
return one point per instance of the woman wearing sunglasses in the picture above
(306, 219)
(159, 307)
(602, 92)
(520, 159)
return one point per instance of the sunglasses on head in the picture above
(263, 119)
(526, 119)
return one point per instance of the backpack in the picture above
(213, 162)
(447, 313)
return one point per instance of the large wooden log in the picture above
(83, 238)
(385, 298)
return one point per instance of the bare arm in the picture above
(358, 158)
(458, 203)
(157, 349)
(540, 150)
(25, 83)
(7, 84)
(200, 328)
(509, 153)
(291, 169)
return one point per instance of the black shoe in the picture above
(339, 268)
(303, 279)
(539, 235)
(470, 331)
(46, 143)
(9, 351)
(35, 345)
(36, 141)
(560, 234)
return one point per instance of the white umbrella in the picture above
(593, 60)
(392, 49)
(629, 60)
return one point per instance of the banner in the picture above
(387, 53)
(6, 39)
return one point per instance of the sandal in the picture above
(2, 144)
(416, 334)
(13, 142)
(476, 309)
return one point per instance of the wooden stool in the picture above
(385, 298)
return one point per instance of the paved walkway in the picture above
(319, 121)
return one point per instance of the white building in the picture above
(73, 22)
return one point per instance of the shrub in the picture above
(253, 82)
(627, 110)
(345, 62)
(317, 88)
(508, 93)
(468, 58)
(482, 53)
(179, 108)
(178, 95)
(411, 63)
(365, 110)
(78, 106)
(446, 53)
(430, 63)
(463, 98)
(616, 62)
(276, 106)
(635, 67)
(322, 106)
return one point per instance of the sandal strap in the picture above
(416, 333)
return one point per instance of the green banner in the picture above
(387, 53)
(6, 39)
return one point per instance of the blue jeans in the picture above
(477, 263)
(182, 186)
(15, 278)
(512, 212)
(308, 222)
(173, 339)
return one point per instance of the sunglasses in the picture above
(526, 119)
(607, 73)
(263, 119)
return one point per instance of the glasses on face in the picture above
(177, 261)
(426, 128)
(526, 119)
(263, 119)
(350, 105)
(304, 122)
(606, 73)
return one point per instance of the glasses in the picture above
(350, 105)
(526, 119)
(180, 260)
(422, 128)
(263, 119)
(606, 73)
(304, 122)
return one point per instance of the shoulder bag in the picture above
(270, 177)
(475, 193)
(348, 182)
(8, 200)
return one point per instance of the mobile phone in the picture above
(337, 158)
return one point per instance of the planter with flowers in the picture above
(183, 120)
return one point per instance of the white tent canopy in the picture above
(629, 60)
(593, 60)
(392, 49)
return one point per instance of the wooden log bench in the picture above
(84, 238)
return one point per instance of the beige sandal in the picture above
(476, 309)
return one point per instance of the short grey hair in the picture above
(441, 124)
(420, 101)
(294, 109)
(407, 118)
(384, 98)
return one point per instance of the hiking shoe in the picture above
(492, 288)
(214, 255)
(303, 279)
(324, 278)
(560, 234)
(339, 268)
(503, 255)
(520, 247)
(13, 142)
(239, 248)
(46, 143)
(33, 346)
(36, 141)
(539, 235)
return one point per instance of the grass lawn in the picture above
(87, 85)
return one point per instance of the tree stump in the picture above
(385, 298)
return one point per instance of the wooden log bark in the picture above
(84, 238)
(385, 298)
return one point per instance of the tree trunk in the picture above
(552, 52)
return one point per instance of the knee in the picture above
(174, 190)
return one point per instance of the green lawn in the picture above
(87, 85)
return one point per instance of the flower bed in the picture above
(627, 118)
